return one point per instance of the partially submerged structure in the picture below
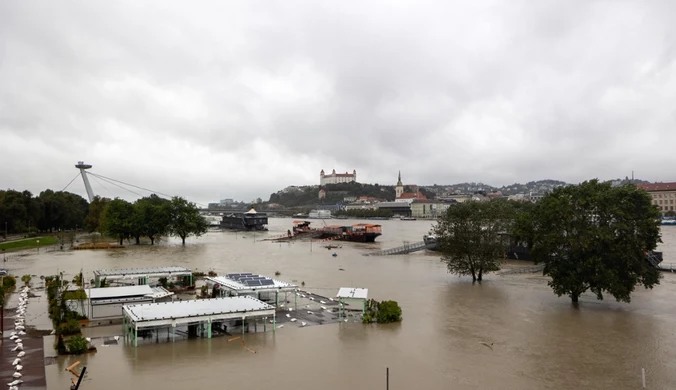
(205, 315)
(251, 220)
(140, 276)
(105, 304)
(248, 284)
(347, 295)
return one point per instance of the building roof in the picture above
(159, 292)
(353, 293)
(136, 272)
(393, 205)
(657, 187)
(119, 292)
(194, 308)
(435, 201)
(231, 282)
(412, 195)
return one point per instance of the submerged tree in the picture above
(186, 219)
(117, 219)
(470, 236)
(152, 218)
(595, 237)
(93, 220)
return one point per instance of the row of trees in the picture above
(590, 237)
(150, 217)
(24, 213)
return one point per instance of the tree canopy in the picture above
(93, 220)
(186, 219)
(594, 237)
(470, 236)
(152, 217)
(117, 219)
(25, 213)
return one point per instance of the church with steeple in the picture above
(408, 197)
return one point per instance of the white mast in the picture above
(83, 167)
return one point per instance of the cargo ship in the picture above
(360, 232)
(251, 220)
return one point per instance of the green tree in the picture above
(470, 236)
(77, 345)
(388, 311)
(117, 219)
(93, 220)
(61, 210)
(186, 219)
(594, 237)
(153, 217)
(523, 230)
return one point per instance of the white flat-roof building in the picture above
(140, 275)
(193, 313)
(105, 304)
(249, 284)
(347, 295)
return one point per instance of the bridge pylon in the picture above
(83, 171)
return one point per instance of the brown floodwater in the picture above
(539, 340)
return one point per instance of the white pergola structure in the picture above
(140, 275)
(249, 284)
(347, 295)
(194, 312)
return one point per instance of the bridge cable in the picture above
(71, 182)
(131, 185)
(117, 185)
(101, 184)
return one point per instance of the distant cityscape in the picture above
(342, 192)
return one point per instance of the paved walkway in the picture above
(33, 372)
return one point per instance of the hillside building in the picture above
(335, 178)
(408, 197)
(663, 194)
(421, 208)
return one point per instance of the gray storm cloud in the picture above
(214, 99)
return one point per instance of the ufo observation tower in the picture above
(83, 171)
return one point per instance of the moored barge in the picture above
(251, 220)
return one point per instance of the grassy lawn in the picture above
(29, 243)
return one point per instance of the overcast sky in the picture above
(225, 99)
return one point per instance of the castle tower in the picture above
(399, 189)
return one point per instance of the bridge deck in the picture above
(401, 250)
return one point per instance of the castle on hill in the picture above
(335, 178)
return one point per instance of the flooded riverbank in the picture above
(538, 341)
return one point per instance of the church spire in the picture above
(399, 183)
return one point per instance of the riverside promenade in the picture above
(33, 362)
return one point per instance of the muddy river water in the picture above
(539, 340)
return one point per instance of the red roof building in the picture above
(663, 194)
(654, 187)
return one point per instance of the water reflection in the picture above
(539, 340)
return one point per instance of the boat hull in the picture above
(239, 222)
(366, 237)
